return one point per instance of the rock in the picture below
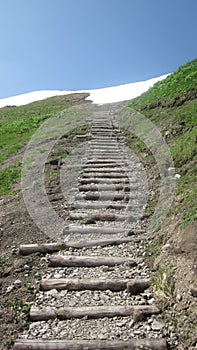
(52, 292)
(157, 326)
(17, 282)
(194, 291)
(9, 289)
(177, 176)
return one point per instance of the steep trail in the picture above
(96, 292)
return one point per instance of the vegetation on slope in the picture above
(17, 124)
(172, 105)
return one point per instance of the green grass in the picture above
(18, 124)
(172, 106)
(173, 91)
(9, 176)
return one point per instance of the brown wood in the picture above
(103, 174)
(83, 284)
(96, 229)
(101, 217)
(103, 161)
(105, 170)
(112, 180)
(44, 248)
(136, 286)
(89, 261)
(136, 311)
(104, 242)
(99, 205)
(106, 187)
(103, 165)
(78, 344)
(41, 248)
(108, 196)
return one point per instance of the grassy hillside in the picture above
(172, 105)
(17, 124)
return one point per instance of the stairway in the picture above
(96, 294)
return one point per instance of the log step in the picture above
(103, 205)
(45, 248)
(104, 174)
(78, 344)
(138, 312)
(104, 196)
(107, 187)
(89, 261)
(104, 165)
(112, 180)
(83, 284)
(103, 161)
(105, 170)
(101, 217)
(97, 229)
(133, 286)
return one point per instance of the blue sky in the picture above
(88, 44)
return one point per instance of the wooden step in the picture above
(80, 344)
(45, 248)
(95, 205)
(103, 174)
(101, 217)
(105, 230)
(106, 187)
(95, 180)
(138, 312)
(106, 170)
(89, 261)
(83, 284)
(133, 286)
(104, 165)
(104, 196)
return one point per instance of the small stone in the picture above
(27, 267)
(157, 326)
(52, 292)
(179, 297)
(121, 323)
(9, 289)
(17, 282)
(57, 275)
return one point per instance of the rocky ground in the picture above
(170, 254)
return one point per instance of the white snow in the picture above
(99, 96)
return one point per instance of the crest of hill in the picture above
(175, 90)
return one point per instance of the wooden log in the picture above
(110, 230)
(89, 261)
(95, 180)
(107, 187)
(103, 175)
(83, 284)
(78, 344)
(101, 217)
(99, 205)
(104, 242)
(136, 286)
(104, 196)
(136, 311)
(104, 165)
(44, 248)
(102, 161)
(105, 170)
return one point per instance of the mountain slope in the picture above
(172, 106)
